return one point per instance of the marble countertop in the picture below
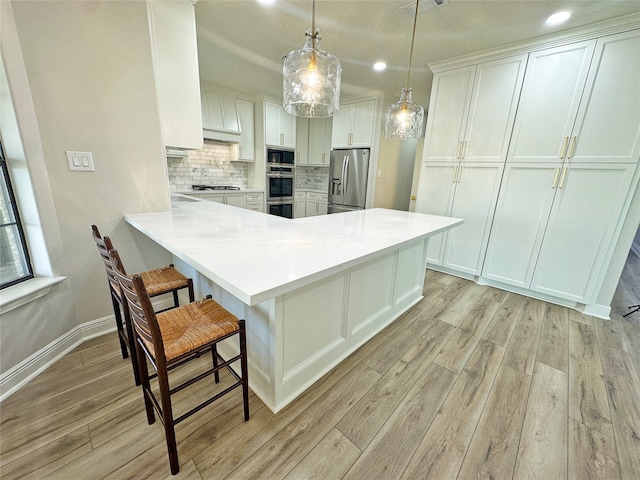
(255, 256)
(221, 192)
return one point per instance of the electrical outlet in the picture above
(80, 161)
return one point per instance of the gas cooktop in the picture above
(214, 187)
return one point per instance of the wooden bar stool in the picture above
(174, 337)
(159, 281)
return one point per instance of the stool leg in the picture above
(144, 380)
(192, 297)
(118, 316)
(244, 369)
(167, 415)
(176, 302)
(214, 354)
(132, 346)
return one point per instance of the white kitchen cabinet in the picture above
(233, 199)
(280, 127)
(316, 204)
(467, 191)
(549, 102)
(302, 141)
(299, 204)
(177, 83)
(554, 224)
(353, 125)
(313, 144)
(255, 201)
(610, 103)
(219, 112)
(472, 110)
(580, 228)
(320, 141)
(246, 147)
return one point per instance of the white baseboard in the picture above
(600, 311)
(635, 248)
(19, 375)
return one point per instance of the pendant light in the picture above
(404, 118)
(311, 83)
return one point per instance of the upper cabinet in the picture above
(246, 148)
(220, 116)
(175, 67)
(563, 117)
(280, 127)
(353, 125)
(472, 110)
(313, 141)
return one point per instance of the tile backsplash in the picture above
(212, 166)
(312, 178)
(209, 166)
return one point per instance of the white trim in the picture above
(588, 32)
(19, 375)
(635, 248)
(595, 310)
(25, 292)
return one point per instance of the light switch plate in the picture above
(80, 161)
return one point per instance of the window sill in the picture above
(25, 292)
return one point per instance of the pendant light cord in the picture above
(413, 37)
(314, 36)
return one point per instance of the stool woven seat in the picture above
(185, 329)
(160, 281)
(172, 338)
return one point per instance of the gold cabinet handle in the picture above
(459, 147)
(555, 177)
(459, 173)
(323, 157)
(564, 147)
(464, 151)
(564, 174)
(574, 140)
(455, 174)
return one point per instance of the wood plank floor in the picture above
(473, 382)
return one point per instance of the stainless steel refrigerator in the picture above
(348, 173)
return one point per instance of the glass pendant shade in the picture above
(404, 119)
(311, 85)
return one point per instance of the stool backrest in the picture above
(140, 308)
(104, 245)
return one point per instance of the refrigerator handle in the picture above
(345, 174)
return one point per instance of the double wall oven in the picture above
(280, 182)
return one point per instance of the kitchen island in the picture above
(312, 290)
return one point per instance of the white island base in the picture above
(311, 290)
(295, 338)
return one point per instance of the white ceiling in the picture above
(241, 42)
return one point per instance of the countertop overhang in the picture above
(256, 256)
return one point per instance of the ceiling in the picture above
(241, 42)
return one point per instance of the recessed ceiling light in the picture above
(266, 2)
(379, 66)
(558, 18)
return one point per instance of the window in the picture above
(15, 265)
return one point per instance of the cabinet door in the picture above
(272, 131)
(302, 141)
(239, 200)
(549, 102)
(581, 227)
(474, 200)
(288, 129)
(362, 124)
(212, 197)
(247, 138)
(299, 205)
(212, 110)
(522, 211)
(436, 186)
(448, 108)
(342, 127)
(319, 141)
(496, 91)
(608, 125)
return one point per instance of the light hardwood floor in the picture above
(473, 382)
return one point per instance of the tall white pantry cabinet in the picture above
(564, 152)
